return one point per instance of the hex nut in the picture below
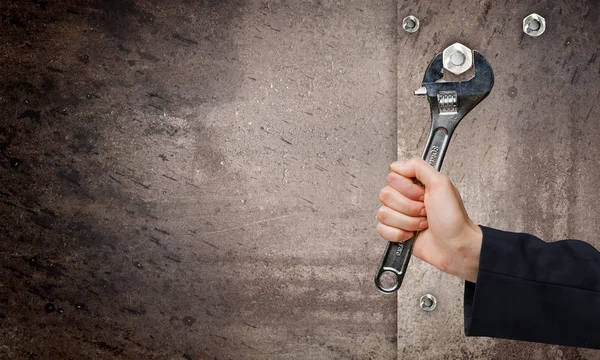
(534, 25)
(428, 302)
(457, 58)
(410, 24)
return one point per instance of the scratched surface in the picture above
(524, 160)
(194, 179)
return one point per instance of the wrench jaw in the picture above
(449, 102)
(467, 93)
(481, 82)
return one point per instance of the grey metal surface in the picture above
(194, 179)
(524, 162)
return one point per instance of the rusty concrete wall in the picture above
(194, 179)
(524, 160)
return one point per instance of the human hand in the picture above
(448, 239)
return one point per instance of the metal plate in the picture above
(524, 160)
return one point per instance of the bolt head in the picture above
(534, 25)
(457, 58)
(410, 24)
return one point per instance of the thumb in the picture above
(417, 168)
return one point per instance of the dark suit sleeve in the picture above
(531, 290)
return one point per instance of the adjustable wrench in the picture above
(449, 102)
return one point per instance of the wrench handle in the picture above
(397, 255)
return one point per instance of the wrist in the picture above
(468, 254)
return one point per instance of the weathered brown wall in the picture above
(194, 179)
(198, 179)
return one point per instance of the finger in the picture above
(405, 186)
(393, 234)
(395, 219)
(417, 168)
(393, 199)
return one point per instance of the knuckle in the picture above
(379, 229)
(382, 214)
(398, 235)
(384, 195)
(391, 177)
(401, 235)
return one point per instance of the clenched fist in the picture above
(448, 239)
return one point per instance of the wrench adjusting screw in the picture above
(428, 302)
(410, 24)
(534, 25)
(457, 58)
